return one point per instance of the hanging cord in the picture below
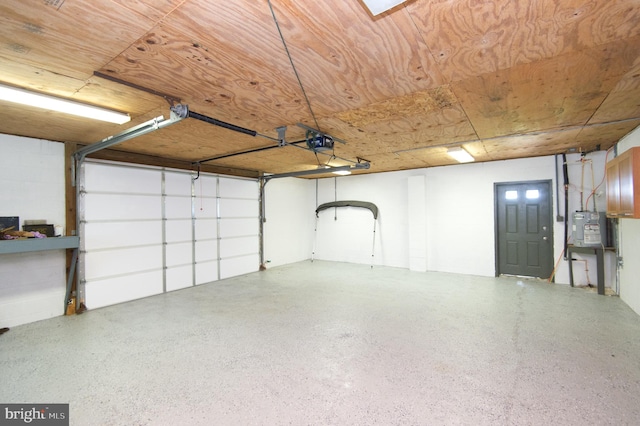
(284, 43)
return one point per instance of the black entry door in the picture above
(524, 229)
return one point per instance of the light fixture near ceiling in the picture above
(39, 100)
(460, 155)
(321, 170)
(342, 172)
(336, 170)
(376, 7)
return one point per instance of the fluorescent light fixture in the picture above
(321, 170)
(25, 97)
(460, 155)
(378, 6)
(342, 172)
(339, 170)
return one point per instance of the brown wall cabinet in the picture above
(623, 185)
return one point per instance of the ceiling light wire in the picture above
(295, 71)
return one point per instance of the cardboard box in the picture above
(47, 230)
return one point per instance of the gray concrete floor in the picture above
(338, 344)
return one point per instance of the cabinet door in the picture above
(625, 171)
(613, 188)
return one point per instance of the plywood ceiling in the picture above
(504, 79)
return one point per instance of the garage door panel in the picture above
(206, 229)
(99, 206)
(177, 183)
(238, 188)
(179, 254)
(239, 227)
(206, 186)
(141, 224)
(177, 207)
(206, 250)
(178, 230)
(232, 247)
(122, 234)
(239, 266)
(179, 277)
(122, 289)
(206, 272)
(108, 263)
(205, 208)
(121, 179)
(230, 208)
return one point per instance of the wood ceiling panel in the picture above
(471, 37)
(419, 119)
(152, 9)
(191, 140)
(503, 78)
(391, 162)
(430, 157)
(71, 37)
(210, 80)
(532, 145)
(623, 102)
(413, 105)
(346, 62)
(280, 160)
(606, 135)
(38, 79)
(115, 96)
(437, 155)
(561, 91)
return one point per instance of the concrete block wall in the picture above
(32, 285)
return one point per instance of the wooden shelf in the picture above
(38, 244)
(623, 185)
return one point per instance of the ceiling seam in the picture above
(515, 135)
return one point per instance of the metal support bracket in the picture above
(281, 130)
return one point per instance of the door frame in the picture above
(549, 183)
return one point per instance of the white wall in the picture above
(346, 234)
(461, 211)
(32, 285)
(288, 230)
(459, 214)
(630, 242)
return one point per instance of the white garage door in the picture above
(146, 231)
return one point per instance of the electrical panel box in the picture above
(589, 229)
